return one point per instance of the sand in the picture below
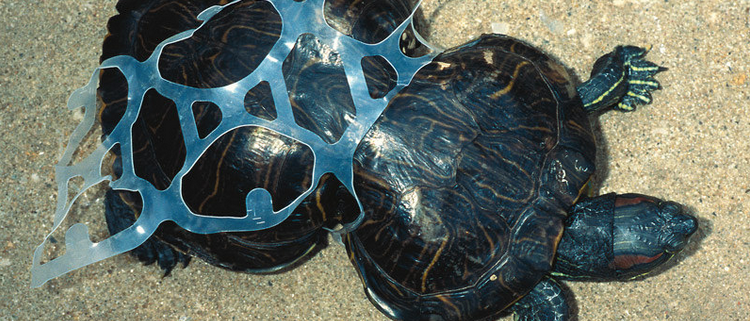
(691, 145)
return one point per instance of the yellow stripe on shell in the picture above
(507, 88)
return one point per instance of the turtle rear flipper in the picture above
(621, 79)
(121, 212)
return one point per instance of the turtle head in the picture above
(647, 232)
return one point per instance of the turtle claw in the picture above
(640, 77)
(155, 251)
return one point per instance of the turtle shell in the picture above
(224, 50)
(466, 180)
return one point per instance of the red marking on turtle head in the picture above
(624, 262)
(620, 200)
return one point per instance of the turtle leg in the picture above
(545, 302)
(621, 79)
(121, 210)
(619, 237)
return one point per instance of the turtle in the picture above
(228, 47)
(469, 188)
(475, 183)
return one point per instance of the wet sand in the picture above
(691, 145)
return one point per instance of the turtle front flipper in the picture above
(621, 79)
(545, 302)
